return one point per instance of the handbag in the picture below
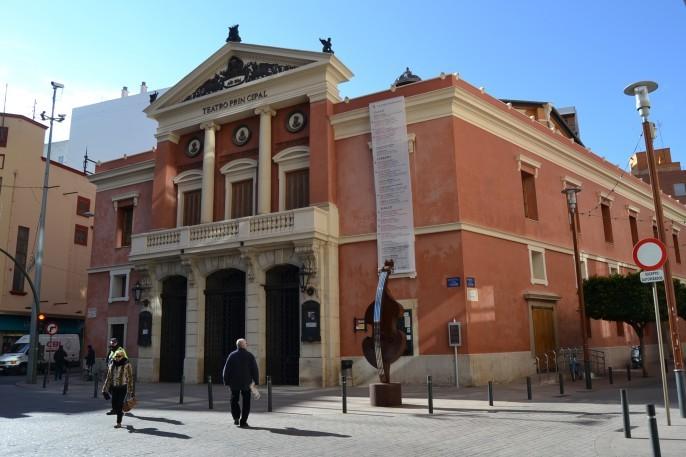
(254, 392)
(129, 404)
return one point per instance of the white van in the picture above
(16, 360)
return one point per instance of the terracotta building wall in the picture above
(105, 252)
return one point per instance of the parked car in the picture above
(16, 360)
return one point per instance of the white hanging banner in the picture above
(394, 217)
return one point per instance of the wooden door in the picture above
(544, 330)
(173, 329)
(224, 319)
(283, 329)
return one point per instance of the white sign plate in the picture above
(652, 276)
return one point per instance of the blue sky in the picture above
(580, 53)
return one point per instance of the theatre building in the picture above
(269, 204)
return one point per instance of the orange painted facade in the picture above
(467, 152)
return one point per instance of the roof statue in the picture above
(234, 37)
(406, 78)
(326, 45)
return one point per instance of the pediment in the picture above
(236, 65)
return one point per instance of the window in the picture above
(529, 195)
(4, 133)
(83, 206)
(298, 189)
(191, 207)
(240, 177)
(537, 266)
(81, 235)
(119, 285)
(2, 161)
(677, 252)
(117, 328)
(20, 256)
(634, 229)
(613, 269)
(679, 189)
(620, 328)
(655, 232)
(124, 225)
(607, 221)
(294, 189)
(242, 199)
(188, 197)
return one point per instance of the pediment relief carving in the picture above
(239, 71)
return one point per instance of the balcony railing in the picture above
(266, 228)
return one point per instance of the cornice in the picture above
(135, 173)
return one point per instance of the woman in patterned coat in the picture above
(119, 381)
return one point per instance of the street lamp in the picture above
(640, 90)
(137, 291)
(33, 355)
(571, 205)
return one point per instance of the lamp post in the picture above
(31, 371)
(640, 91)
(571, 206)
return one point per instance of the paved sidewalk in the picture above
(309, 421)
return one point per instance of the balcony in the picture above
(262, 230)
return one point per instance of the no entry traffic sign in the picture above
(650, 254)
(51, 328)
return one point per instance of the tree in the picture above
(626, 299)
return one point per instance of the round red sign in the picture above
(51, 328)
(650, 254)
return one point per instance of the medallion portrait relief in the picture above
(296, 121)
(241, 135)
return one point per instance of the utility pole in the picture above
(641, 90)
(33, 358)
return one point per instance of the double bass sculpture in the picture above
(387, 342)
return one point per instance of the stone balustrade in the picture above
(302, 223)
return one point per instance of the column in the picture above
(264, 167)
(208, 155)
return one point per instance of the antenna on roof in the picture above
(4, 106)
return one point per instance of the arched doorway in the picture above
(283, 329)
(173, 331)
(224, 318)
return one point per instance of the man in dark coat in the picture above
(240, 370)
(60, 359)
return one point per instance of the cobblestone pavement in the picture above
(309, 422)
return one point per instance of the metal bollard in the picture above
(45, 377)
(66, 382)
(628, 372)
(209, 392)
(609, 374)
(654, 438)
(95, 385)
(183, 378)
(625, 413)
(561, 381)
(490, 393)
(430, 386)
(528, 388)
(344, 384)
(269, 394)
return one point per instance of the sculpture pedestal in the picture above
(385, 394)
